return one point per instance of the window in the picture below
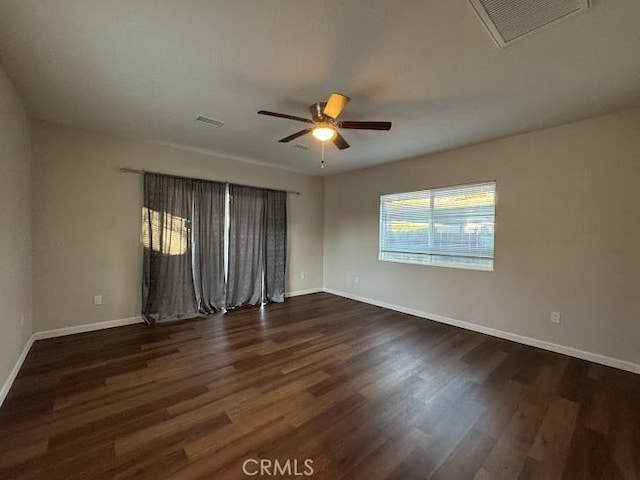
(174, 235)
(450, 227)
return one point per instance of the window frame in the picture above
(439, 263)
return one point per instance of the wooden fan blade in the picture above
(366, 125)
(340, 142)
(295, 135)
(335, 105)
(284, 115)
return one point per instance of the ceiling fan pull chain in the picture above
(322, 158)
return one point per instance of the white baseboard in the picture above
(303, 292)
(533, 342)
(16, 368)
(89, 327)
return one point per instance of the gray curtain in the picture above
(208, 245)
(184, 237)
(275, 213)
(167, 284)
(246, 246)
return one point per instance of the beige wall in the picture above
(15, 228)
(567, 236)
(567, 230)
(87, 220)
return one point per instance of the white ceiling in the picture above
(147, 68)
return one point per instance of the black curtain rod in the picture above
(134, 170)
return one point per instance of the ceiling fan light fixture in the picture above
(323, 133)
(323, 124)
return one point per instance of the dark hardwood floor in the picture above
(361, 391)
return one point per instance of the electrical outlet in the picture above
(555, 317)
(97, 300)
(302, 276)
(356, 279)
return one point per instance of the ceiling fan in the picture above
(324, 123)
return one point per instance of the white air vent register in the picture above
(210, 121)
(299, 146)
(510, 20)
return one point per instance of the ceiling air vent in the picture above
(299, 146)
(210, 121)
(510, 20)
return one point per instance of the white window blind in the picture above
(451, 226)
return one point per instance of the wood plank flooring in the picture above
(363, 392)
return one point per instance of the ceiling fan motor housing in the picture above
(316, 112)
